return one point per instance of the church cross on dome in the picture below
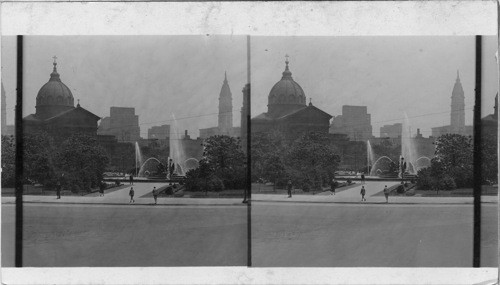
(55, 63)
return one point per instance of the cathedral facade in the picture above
(288, 112)
(56, 113)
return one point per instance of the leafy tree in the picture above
(489, 163)
(455, 154)
(38, 152)
(8, 161)
(312, 160)
(81, 162)
(268, 155)
(224, 155)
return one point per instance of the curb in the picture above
(373, 203)
(122, 204)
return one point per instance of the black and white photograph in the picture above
(349, 142)
(132, 151)
(362, 151)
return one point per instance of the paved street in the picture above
(369, 235)
(59, 235)
(306, 230)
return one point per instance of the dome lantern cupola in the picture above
(286, 95)
(54, 97)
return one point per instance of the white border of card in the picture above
(242, 18)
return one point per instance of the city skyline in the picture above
(363, 73)
(184, 73)
(389, 75)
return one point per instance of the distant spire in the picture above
(78, 105)
(225, 77)
(310, 102)
(458, 75)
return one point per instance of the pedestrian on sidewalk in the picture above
(131, 179)
(131, 194)
(155, 194)
(101, 188)
(386, 193)
(58, 189)
(289, 188)
(332, 187)
(363, 192)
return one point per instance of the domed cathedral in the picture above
(56, 114)
(287, 110)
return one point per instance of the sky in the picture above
(391, 75)
(183, 75)
(158, 75)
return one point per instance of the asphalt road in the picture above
(59, 235)
(336, 235)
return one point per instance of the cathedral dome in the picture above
(54, 92)
(286, 91)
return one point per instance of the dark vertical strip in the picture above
(249, 159)
(19, 154)
(477, 157)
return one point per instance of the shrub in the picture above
(400, 189)
(425, 180)
(410, 192)
(169, 190)
(447, 183)
(306, 187)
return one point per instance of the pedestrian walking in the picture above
(131, 179)
(58, 189)
(386, 193)
(363, 178)
(289, 188)
(131, 194)
(101, 189)
(332, 187)
(155, 194)
(363, 192)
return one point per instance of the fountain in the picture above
(407, 148)
(190, 163)
(138, 158)
(177, 153)
(376, 168)
(141, 170)
(370, 157)
(422, 162)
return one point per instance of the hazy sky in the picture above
(161, 75)
(158, 75)
(390, 75)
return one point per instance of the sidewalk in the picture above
(352, 195)
(369, 200)
(121, 197)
